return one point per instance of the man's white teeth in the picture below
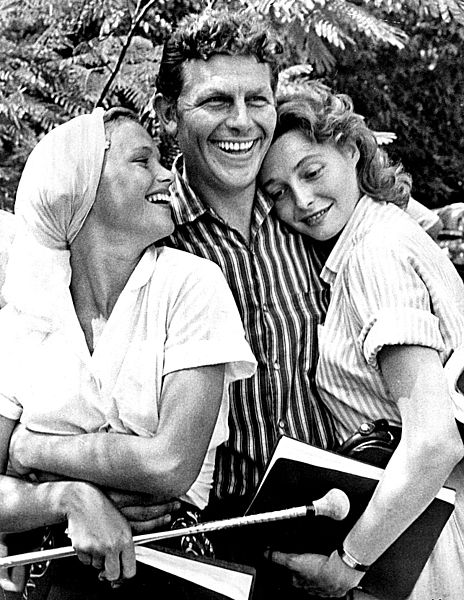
(154, 198)
(235, 146)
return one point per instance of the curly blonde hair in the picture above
(324, 116)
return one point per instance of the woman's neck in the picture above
(323, 248)
(99, 275)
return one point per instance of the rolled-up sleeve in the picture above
(12, 370)
(398, 314)
(9, 408)
(204, 327)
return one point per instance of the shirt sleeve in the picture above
(421, 214)
(204, 326)
(10, 365)
(390, 300)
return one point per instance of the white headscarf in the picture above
(55, 194)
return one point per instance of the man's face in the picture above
(225, 121)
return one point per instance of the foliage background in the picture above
(418, 93)
(60, 58)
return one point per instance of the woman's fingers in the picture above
(13, 580)
(84, 557)
(100, 534)
(112, 570)
(149, 512)
(151, 525)
(119, 566)
(128, 562)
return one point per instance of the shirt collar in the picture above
(357, 226)
(144, 269)
(187, 206)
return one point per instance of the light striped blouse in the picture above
(390, 284)
(281, 300)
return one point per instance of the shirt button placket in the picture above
(282, 427)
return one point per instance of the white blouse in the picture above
(176, 312)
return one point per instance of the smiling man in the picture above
(215, 93)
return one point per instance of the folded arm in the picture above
(165, 465)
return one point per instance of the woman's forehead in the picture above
(128, 134)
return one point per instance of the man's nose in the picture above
(239, 117)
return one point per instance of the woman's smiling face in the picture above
(314, 186)
(133, 195)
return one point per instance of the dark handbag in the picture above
(374, 442)
(195, 545)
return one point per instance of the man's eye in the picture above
(216, 101)
(142, 161)
(258, 101)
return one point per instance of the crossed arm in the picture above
(164, 466)
(96, 528)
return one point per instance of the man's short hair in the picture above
(215, 32)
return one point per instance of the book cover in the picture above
(299, 473)
(223, 580)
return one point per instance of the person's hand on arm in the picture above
(165, 465)
(430, 443)
(98, 532)
(317, 574)
(142, 511)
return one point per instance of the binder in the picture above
(299, 473)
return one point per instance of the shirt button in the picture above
(276, 366)
(282, 425)
(265, 308)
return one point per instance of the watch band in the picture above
(350, 561)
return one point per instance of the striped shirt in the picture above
(281, 300)
(390, 285)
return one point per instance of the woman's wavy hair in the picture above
(326, 117)
(213, 32)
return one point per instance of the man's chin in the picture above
(241, 176)
(236, 184)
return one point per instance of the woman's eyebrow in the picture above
(306, 158)
(142, 148)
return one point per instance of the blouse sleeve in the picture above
(12, 364)
(204, 326)
(390, 300)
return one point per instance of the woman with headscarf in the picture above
(106, 333)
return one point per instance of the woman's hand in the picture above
(325, 576)
(99, 533)
(142, 511)
(14, 579)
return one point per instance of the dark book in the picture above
(299, 473)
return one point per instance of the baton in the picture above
(334, 505)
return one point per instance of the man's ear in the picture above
(167, 114)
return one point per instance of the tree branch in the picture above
(138, 18)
